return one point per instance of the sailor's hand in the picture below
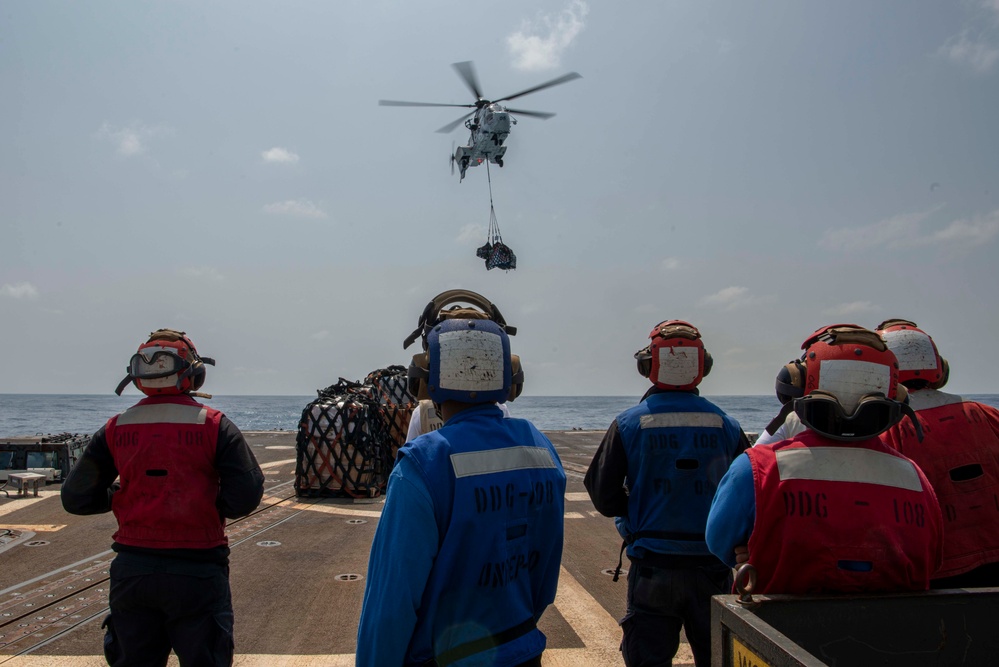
(741, 555)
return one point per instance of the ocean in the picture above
(34, 414)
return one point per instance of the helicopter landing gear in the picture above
(499, 161)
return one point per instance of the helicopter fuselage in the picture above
(488, 129)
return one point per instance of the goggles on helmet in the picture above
(822, 412)
(156, 362)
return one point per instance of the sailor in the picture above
(425, 417)
(790, 384)
(959, 454)
(656, 471)
(183, 469)
(833, 510)
(467, 552)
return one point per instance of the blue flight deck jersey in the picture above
(468, 547)
(678, 445)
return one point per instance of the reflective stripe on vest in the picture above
(681, 420)
(163, 413)
(468, 464)
(841, 464)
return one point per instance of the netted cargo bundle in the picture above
(391, 387)
(497, 254)
(344, 444)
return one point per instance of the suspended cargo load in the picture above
(497, 254)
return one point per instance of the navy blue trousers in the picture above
(661, 601)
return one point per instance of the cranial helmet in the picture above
(851, 389)
(167, 363)
(919, 363)
(469, 361)
(676, 358)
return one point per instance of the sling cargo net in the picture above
(391, 387)
(497, 254)
(349, 435)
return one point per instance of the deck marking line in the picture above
(573, 496)
(275, 464)
(592, 624)
(36, 528)
(16, 503)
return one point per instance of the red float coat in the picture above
(960, 456)
(836, 517)
(164, 449)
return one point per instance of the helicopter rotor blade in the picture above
(543, 115)
(397, 103)
(466, 70)
(450, 126)
(565, 78)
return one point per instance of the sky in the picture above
(757, 169)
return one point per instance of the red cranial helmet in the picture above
(676, 358)
(851, 387)
(167, 363)
(919, 363)
(849, 361)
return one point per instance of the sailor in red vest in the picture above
(833, 510)
(959, 454)
(183, 469)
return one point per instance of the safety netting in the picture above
(349, 435)
(497, 254)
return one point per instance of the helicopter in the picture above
(489, 123)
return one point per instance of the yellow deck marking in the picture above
(38, 528)
(341, 510)
(20, 502)
(573, 496)
(274, 464)
(573, 515)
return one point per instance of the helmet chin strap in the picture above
(911, 414)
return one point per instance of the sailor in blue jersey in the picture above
(656, 471)
(467, 552)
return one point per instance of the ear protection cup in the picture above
(708, 363)
(944, 375)
(518, 378)
(417, 376)
(790, 382)
(643, 359)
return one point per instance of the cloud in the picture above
(201, 273)
(905, 231)
(670, 264)
(279, 155)
(977, 52)
(301, 208)
(727, 297)
(320, 335)
(851, 308)
(131, 140)
(976, 46)
(972, 233)
(19, 291)
(539, 44)
(471, 233)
